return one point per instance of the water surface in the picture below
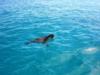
(75, 49)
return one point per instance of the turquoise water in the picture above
(76, 46)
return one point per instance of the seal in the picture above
(43, 40)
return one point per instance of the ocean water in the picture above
(75, 49)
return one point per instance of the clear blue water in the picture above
(75, 49)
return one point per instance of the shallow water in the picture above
(75, 49)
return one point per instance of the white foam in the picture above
(90, 50)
